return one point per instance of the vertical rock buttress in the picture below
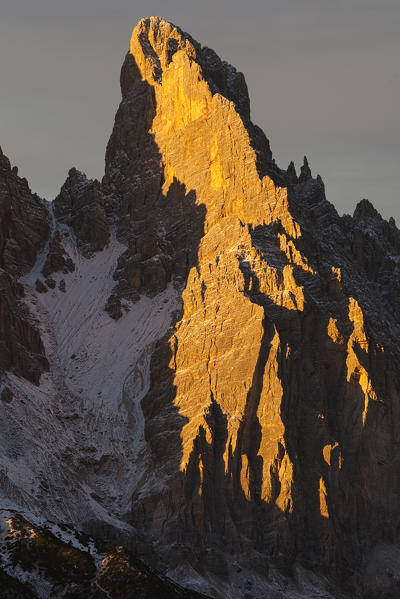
(272, 397)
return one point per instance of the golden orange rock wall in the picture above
(270, 408)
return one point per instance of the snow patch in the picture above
(98, 353)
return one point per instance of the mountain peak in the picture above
(219, 348)
(153, 43)
(156, 43)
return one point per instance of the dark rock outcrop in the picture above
(21, 348)
(24, 230)
(57, 260)
(24, 221)
(80, 206)
(305, 171)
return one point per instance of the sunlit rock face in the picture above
(274, 397)
(222, 347)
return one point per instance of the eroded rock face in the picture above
(154, 205)
(274, 395)
(24, 221)
(21, 348)
(24, 230)
(80, 205)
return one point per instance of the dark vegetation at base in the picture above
(13, 589)
(71, 573)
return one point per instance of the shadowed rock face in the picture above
(271, 417)
(24, 221)
(57, 259)
(24, 229)
(80, 205)
(21, 348)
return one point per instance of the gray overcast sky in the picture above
(323, 77)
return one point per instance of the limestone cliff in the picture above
(222, 347)
(273, 402)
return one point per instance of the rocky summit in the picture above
(199, 361)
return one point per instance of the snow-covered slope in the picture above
(72, 447)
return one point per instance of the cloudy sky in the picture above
(323, 77)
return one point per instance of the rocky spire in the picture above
(305, 172)
(291, 174)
